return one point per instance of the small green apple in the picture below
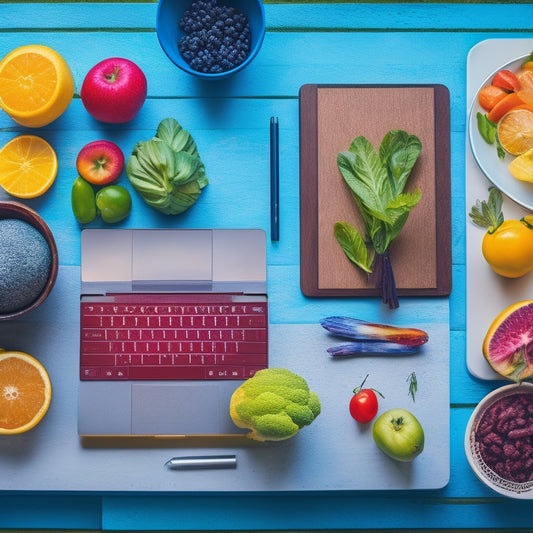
(399, 434)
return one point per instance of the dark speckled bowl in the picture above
(15, 210)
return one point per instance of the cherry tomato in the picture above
(364, 403)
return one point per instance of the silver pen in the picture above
(202, 461)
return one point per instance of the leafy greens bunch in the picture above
(167, 170)
(377, 182)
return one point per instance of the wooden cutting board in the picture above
(331, 116)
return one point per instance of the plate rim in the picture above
(472, 129)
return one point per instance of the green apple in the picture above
(399, 434)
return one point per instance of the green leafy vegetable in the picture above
(377, 182)
(167, 170)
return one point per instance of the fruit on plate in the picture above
(36, 85)
(28, 166)
(100, 162)
(399, 434)
(114, 90)
(521, 167)
(508, 343)
(507, 245)
(25, 392)
(515, 131)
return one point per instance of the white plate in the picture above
(486, 156)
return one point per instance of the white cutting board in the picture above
(334, 453)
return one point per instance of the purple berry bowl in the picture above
(211, 46)
(499, 440)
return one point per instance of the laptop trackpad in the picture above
(182, 408)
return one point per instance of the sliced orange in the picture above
(36, 85)
(28, 166)
(25, 392)
(515, 131)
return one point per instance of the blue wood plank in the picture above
(281, 17)
(49, 511)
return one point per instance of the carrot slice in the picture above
(489, 96)
(504, 106)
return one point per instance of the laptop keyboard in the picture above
(172, 336)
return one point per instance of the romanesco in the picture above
(274, 404)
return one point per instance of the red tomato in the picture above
(506, 80)
(364, 404)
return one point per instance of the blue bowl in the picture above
(169, 13)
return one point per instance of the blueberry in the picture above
(221, 31)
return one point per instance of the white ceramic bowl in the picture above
(473, 448)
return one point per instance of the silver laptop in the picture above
(171, 323)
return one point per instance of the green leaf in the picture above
(180, 140)
(353, 245)
(399, 151)
(486, 128)
(488, 213)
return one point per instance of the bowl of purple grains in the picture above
(499, 440)
(211, 39)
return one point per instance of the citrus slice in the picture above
(28, 166)
(36, 85)
(515, 131)
(25, 392)
(508, 344)
(521, 167)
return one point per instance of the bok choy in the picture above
(167, 170)
(377, 182)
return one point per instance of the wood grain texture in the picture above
(330, 118)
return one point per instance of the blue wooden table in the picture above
(314, 43)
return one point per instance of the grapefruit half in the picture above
(508, 344)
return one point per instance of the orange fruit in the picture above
(508, 343)
(515, 131)
(36, 85)
(28, 166)
(25, 392)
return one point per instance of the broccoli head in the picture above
(274, 404)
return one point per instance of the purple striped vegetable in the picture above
(370, 348)
(361, 330)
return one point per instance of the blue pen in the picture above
(274, 179)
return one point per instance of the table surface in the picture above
(311, 43)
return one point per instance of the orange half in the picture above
(36, 85)
(25, 392)
(28, 166)
(515, 131)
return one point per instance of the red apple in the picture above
(100, 162)
(114, 90)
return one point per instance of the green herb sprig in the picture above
(377, 182)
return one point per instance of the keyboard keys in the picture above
(158, 338)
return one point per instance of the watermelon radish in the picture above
(508, 344)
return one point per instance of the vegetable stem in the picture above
(384, 280)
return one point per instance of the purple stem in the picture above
(384, 280)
